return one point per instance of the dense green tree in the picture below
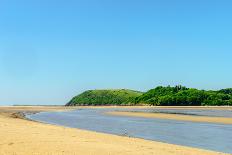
(182, 96)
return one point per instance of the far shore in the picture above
(23, 137)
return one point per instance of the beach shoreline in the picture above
(20, 136)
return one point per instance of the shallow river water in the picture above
(210, 136)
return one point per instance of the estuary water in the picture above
(210, 136)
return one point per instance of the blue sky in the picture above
(51, 50)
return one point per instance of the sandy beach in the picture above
(23, 137)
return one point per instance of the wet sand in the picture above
(206, 119)
(23, 137)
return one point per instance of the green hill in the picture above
(182, 96)
(105, 97)
(162, 96)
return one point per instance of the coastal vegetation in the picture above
(159, 96)
(105, 97)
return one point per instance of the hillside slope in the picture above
(105, 97)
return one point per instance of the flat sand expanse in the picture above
(206, 119)
(23, 137)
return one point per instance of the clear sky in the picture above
(51, 50)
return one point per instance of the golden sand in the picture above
(23, 137)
